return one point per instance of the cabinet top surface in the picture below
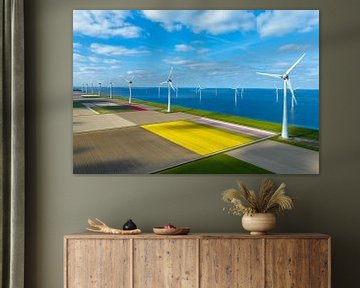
(87, 235)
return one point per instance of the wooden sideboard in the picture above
(197, 260)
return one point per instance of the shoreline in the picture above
(294, 131)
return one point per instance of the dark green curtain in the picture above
(12, 180)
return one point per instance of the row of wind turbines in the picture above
(171, 87)
(85, 89)
(286, 85)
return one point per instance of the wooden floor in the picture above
(125, 151)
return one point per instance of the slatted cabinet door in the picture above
(98, 263)
(231, 263)
(287, 263)
(197, 261)
(165, 263)
(320, 263)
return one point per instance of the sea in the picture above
(254, 103)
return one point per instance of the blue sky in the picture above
(213, 48)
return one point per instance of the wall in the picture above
(59, 203)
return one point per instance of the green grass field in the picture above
(111, 109)
(92, 97)
(217, 164)
(78, 105)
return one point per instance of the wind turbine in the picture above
(293, 99)
(110, 89)
(129, 81)
(176, 91)
(82, 88)
(276, 93)
(87, 88)
(92, 88)
(236, 93)
(199, 90)
(99, 92)
(170, 86)
(159, 91)
(287, 84)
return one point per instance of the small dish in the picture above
(171, 231)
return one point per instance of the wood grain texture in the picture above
(98, 264)
(231, 263)
(164, 263)
(88, 235)
(197, 260)
(319, 263)
(287, 263)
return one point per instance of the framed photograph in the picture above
(196, 92)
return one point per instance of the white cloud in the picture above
(183, 48)
(104, 24)
(114, 50)
(78, 57)
(177, 61)
(293, 48)
(189, 48)
(281, 22)
(210, 21)
(111, 61)
(202, 50)
(94, 59)
(77, 45)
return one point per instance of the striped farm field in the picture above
(199, 138)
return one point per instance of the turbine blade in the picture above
(162, 83)
(292, 91)
(170, 73)
(268, 74)
(294, 65)
(171, 85)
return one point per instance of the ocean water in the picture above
(257, 104)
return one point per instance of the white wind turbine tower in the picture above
(198, 90)
(82, 88)
(110, 88)
(287, 84)
(176, 91)
(99, 92)
(130, 82)
(159, 91)
(236, 93)
(276, 93)
(92, 88)
(87, 88)
(170, 86)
